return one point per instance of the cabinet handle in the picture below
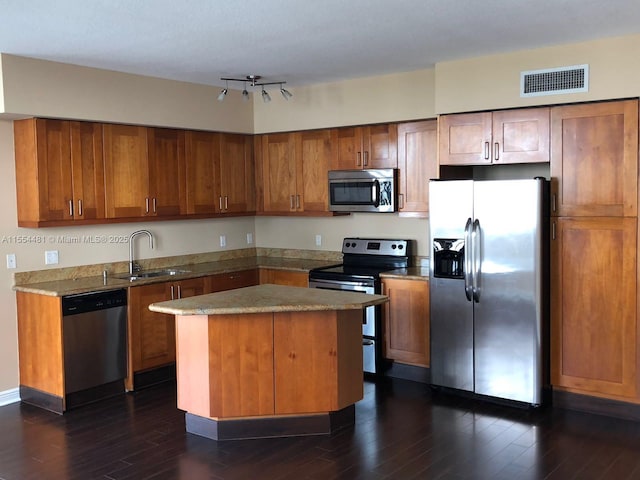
(146, 205)
(291, 202)
(365, 155)
(179, 291)
(401, 201)
(71, 208)
(486, 150)
(79, 208)
(220, 202)
(496, 151)
(553, 202)
(226, 202)
(553, 230)
(358, 159)
(172, 295)
(154, 204)
(297, 202)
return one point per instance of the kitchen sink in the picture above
(151, 274)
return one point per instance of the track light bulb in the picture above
(223, 93)
(265, 96)
(245, 95)
(285, 93)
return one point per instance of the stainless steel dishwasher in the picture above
(95, 345)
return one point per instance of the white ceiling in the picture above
(299, 41)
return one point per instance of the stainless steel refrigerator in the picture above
(489, 287)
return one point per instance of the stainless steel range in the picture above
(363, 261)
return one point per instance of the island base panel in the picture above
(270, 427)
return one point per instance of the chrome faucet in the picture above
(132, 265)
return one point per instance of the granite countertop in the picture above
(268, 298)
(411, 273)
(84, 284)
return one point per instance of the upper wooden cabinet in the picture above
(167, 171)
(371, 146)
(594, 159)
(202, 160)
(502, 137)
(237, 192)
(59, 171)
(417, 164)
(294, 170)
(126, 166)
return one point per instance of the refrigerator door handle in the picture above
(468, 289)
(475, 260)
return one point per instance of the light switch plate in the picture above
(223, 240)
(249, 238)
(11, 260)
(318, 240)
(51, 257)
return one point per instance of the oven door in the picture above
(369, 317)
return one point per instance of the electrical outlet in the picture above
(249, 238)
(318, 240)
(11, 260)
(51, 257)
(223, 240)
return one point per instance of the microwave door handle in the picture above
(375, 195)
(468, 248)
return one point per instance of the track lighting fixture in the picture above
(223, 93)
(285, 93)
(254, 81)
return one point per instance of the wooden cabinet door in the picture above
(87, 170)
(313, 156)
(229, 281)
(43, 170)
(237, 186)
(126, 169)
(521, 136)
(347, 145)
(187, 288)
(372, 146)
(593, 306)
(465, 139)
(417, 164)
(594, 159)
(407, 321)
(279, 172)
(284, 277)
(167, 171)
(203, 180)
(152, 341)
(379, 144)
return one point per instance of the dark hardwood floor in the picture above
(403, 430)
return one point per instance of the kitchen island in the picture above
(269, 360)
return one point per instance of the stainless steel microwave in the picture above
(373, 190)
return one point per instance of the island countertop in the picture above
(268, 298)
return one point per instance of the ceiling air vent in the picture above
(553, 81)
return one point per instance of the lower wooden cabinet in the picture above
(407, 320)
(229, 281)
(152, 336)
(594, 331)
(284, 277)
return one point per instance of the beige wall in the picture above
(493, 82)
(58, 90)
(38, 88)
(404, 96)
